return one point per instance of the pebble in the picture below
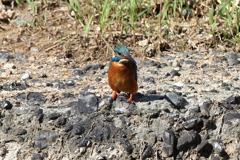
(24, 76)
(5, 55)
(168, 143)
(5, 105)
(88, 103)
(34, 49)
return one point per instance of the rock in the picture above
(151, 91)
(20, 55)
(5, 55)
(78, 72)
(176, 100)
(5, 105)
(187, 139)
(9, 66)
(42, 75)
(10, 86)
(192, 123)
(36, 156)
(19, 131)
(78, 129)
(100, 133)
(93, 66)
(44, 138)
(168, 143)
(83, 142)
(126, 145)
(106, 103)
(33, 98)
(24, 76)
(204, 148)
(149, 79)
(54, 116)
(147, 152)
(217, 148)
(70, 83)
(88, 104)
(174, 73)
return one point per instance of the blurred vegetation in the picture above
(212, 21)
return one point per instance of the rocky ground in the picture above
(187, 107)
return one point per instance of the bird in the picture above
(122, 72)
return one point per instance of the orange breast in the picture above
(121, 77)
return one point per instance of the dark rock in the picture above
(225, 105)
(168, 143)
(233, 99)
(192, 123)
(100, 133)
(94, 66)
(78, 72)
(176, 100)
(147, 152)
(33, 98)
(126, 145)
(78, 129)
(5, 105)
(43, 138)
(88, 104)
(70, 83)
(19, 131)
(231, 116)
(42, 75)
(151, 91)
(36, 156)
(204, 148)
(5, 55)
(60, 121)
(10, 86)
(54, 116)
(174, 73)
(187, 139)
(68, 128)
(149, 79)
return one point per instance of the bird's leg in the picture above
(130, 98)
(114, 94)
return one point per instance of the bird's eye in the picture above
(119, 53)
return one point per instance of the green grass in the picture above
(126, 16)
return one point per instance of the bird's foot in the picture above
(114, 94)
(130, 98)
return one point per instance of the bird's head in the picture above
(123, 52)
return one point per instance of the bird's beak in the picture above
(130, 58)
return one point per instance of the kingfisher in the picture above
(122, 72)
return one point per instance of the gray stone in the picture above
(187, 139)
(176, 100)
(93, 66)
(5, 55)
(168, 143)
(88, 104)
